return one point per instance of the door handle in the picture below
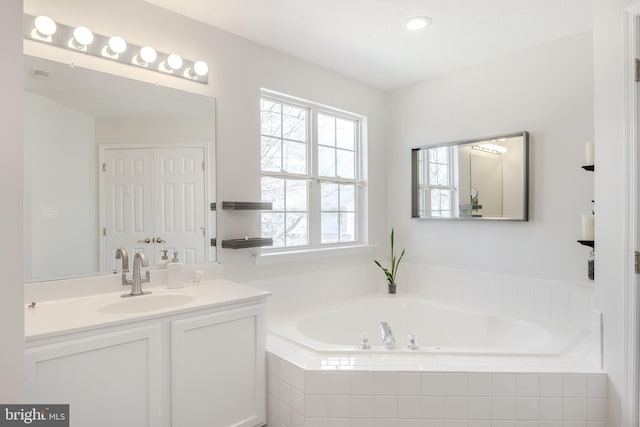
(147, 241)
(160, 240)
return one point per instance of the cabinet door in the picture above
(111, 379)
(218, 369)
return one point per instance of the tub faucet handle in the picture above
(388, 339)
(364, 341)
(412, 342)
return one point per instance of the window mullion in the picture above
(315, 216)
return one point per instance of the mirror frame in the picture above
(525, 177)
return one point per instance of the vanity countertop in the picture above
(62, 316)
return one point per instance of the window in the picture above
(436, 185)
(310, 162)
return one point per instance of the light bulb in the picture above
(45, 25)
(117, 44)
(418, 23)
(200, 68)
(148, 54)
(83, 36)
(174, 61)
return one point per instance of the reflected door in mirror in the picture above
(153, 200)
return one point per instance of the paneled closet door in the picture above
(128, 204)
(180, 202)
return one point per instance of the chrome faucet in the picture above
(140, 259)
(388, 340)
(121, 253)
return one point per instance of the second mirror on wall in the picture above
(483, 178)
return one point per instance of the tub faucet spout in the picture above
(388, 340)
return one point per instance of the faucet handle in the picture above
(412, 342)
(364, 341)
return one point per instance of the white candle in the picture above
(589, 153)
(587, 227)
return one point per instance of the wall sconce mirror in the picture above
(477, 179)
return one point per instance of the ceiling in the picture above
(366, 39)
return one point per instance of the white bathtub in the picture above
(337, 327)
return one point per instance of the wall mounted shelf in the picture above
(246, 206)
(253, 242)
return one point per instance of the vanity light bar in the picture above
(490, 148)
(81, 39)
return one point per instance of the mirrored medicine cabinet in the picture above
(111, 161)
(475, 179)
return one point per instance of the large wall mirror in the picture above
(113, 162)
(479, 179)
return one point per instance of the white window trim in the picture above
(315, 248)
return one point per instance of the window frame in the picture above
(314, 180)
(425, 185)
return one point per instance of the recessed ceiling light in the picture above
(418, 23)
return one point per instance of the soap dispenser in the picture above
(164, 260)
(174, 273)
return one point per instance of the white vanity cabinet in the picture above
(204, 367)
(109, 379)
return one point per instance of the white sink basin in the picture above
(144, 303)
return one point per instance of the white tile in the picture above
(432, 407)
(338, 422)
(574, 424)
(284, 413)
(408, 384)
(550, 385)
(285, 370)
(409, 407)
(314, 422)
(385, 406)
(432, 423)
(272, 385)
(272, 364)
(529, 423)
(503, 408)
(455, 423)
(284, 392)
(315, 406)
(479, 384)
(503, 423)
(575, 385)
(362, 406)
(527, 408)
(315, 382)
(338, 382)
(456, 407)
(297, 378)
(550, 423)
(527, 385)
(386, 383)
(272, 404)
(479, 423)
(297, 400)
(596, 409)
(456, 384)
(596, 424)
(274, 422)
(410, 423)
(550, 408)
(338, 406)
(503, 385)
(362, 383)
(385, 423)
(574, 409)
(297, 420)
(597, 385)
(479, 408)
(432, 384)
(362, 422)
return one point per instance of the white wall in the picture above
(11, 290)
(238, 69)
(61, 174)
(609, 94)
(546, 90)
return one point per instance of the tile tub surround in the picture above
(317, 398)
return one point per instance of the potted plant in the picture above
(395, 262)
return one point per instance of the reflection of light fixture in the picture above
(490, 148)
(45, 27)
(81, 39)
(418, 23)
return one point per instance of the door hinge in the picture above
(104, 231)
(104, 167)
(636, 69)
(636, 263)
